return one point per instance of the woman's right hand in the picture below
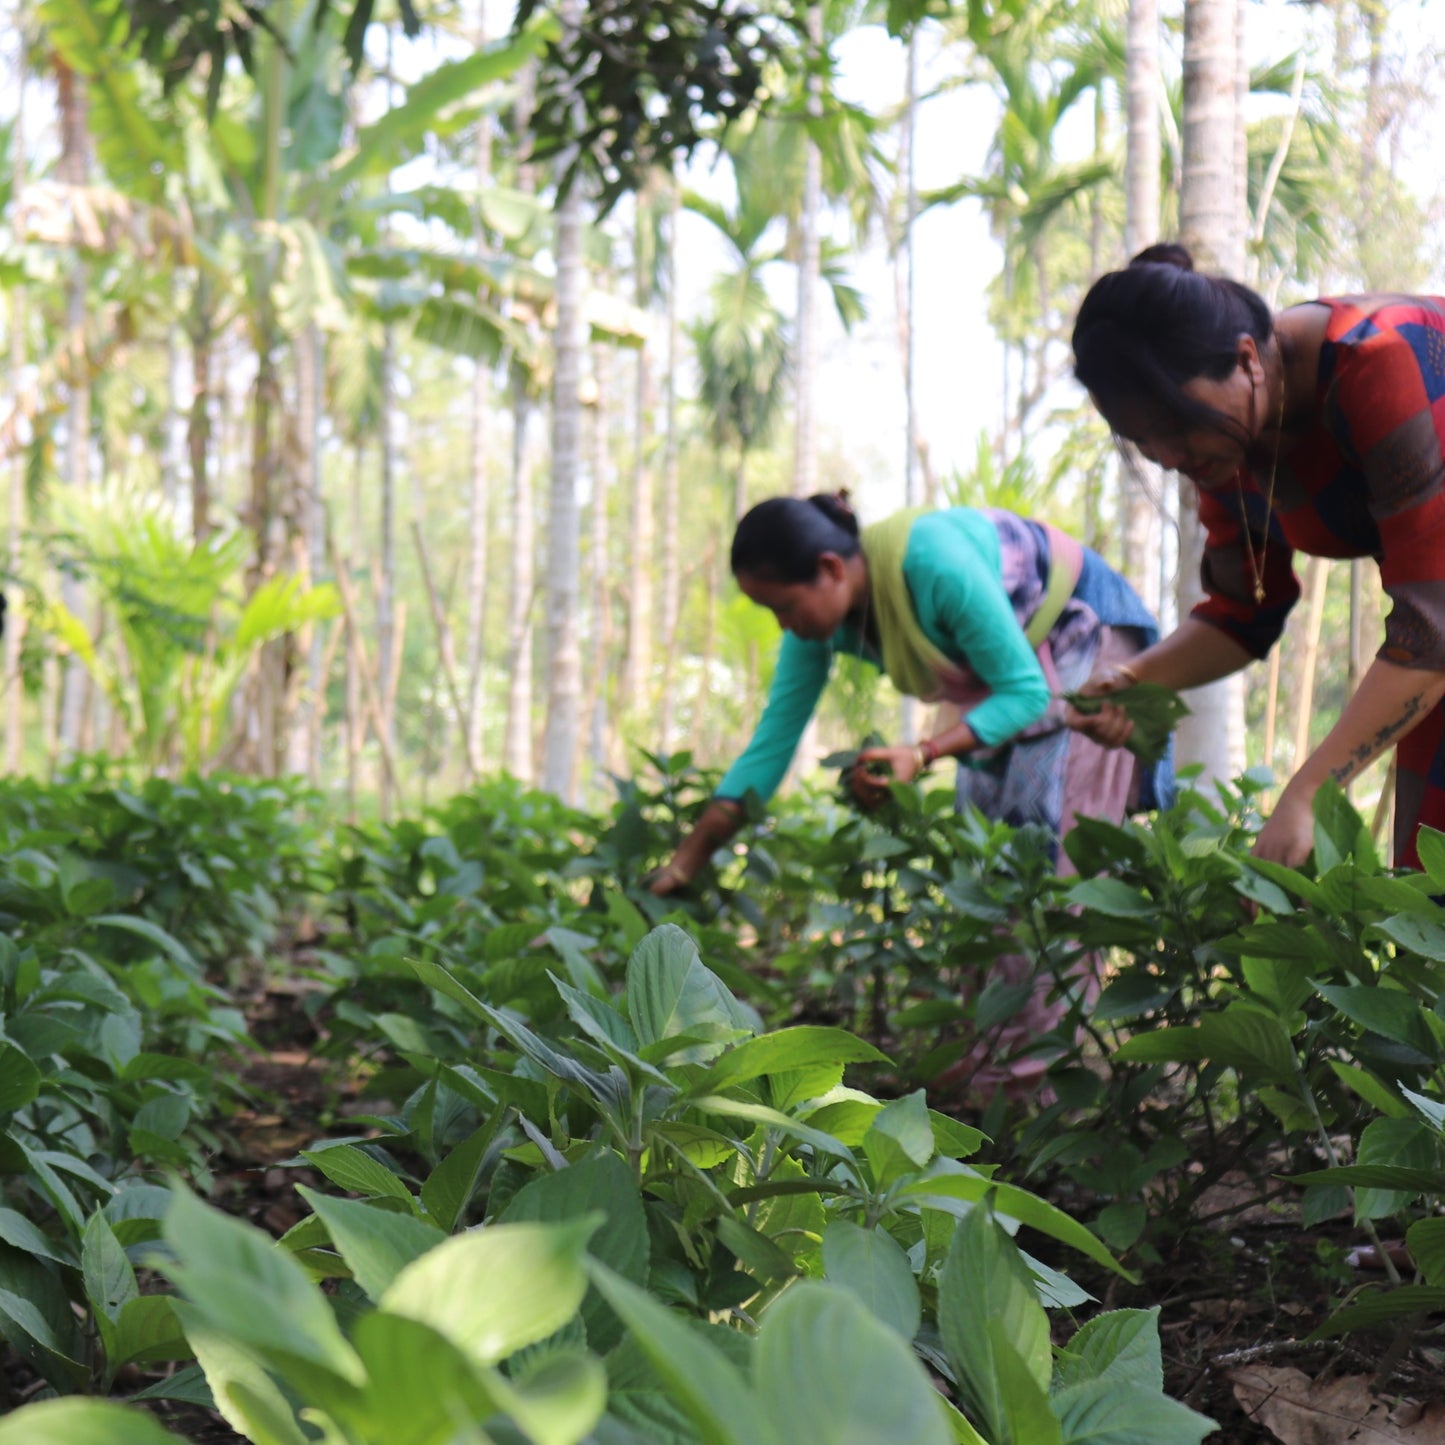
(668, 879)
(1111, 726)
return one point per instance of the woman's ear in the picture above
(1249, 359)
(831, 567)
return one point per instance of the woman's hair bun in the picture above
(1165, 253)
(837, 507)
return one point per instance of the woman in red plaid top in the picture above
(1319, 429)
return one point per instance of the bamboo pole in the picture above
(446, 653)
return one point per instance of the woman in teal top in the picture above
(990, 612)
(993, 613)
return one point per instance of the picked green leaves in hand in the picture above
(1154, 710)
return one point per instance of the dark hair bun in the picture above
(837, 508)
(1165, 253)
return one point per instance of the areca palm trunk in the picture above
(1141, 481)
(564, 658)
(14, 691)
(517, 738)
(479, 539)
(1212, 226)
(74, 169)
(671, 585)
(599, 739)
(637, 669)
(805, 452)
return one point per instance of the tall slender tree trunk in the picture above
(805, 436)
(671, 584)
(478, 575)
(198, 427)
(641, 545)
(74, 168)
(517, 741)
(1141, 483)
(517, 750)
(1213, 228)
(386, 552)
(564, 660)
(311, 388)
(599, 734)
(14, 684)
(905, 294)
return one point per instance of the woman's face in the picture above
(811, 610)
(1210, 456)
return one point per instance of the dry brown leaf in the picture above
(1302, 1411)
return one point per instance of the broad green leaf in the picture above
(1425, 1240)
(758, 1254)
(495, 1290)
(996, 1333)
(1113, 897)
(419, 1384)
(1369, 1088)
(37, 1319)
(168, 943)
(783, 1050)
(18, 1231)
(244, 1394)
(560, 1400)
(1430, 843)
(1370, 1311)
(828, 1370)
(377, 1244)
(761, 1114)
(108, 1277)
(601, 1185)
(712, 1391)
(1281, 982)
(1120, 1345)
(900, 1139)
(1421, 935)
(19, 1079)
(82, 1422)
(450, 1186)
(246, 1286)
(1101, 1412)
(1397, 1143)
(1378, 1176)
(1432, 1110)
(871, 1264)
(671, 992)
(357, 1172)
(148, 1331)
(1385, 1011)
(1017, 1204)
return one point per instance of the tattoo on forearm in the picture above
(1366, 751)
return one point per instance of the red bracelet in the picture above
(929, 749)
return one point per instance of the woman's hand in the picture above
(870, 782)
(1289, 834)
(1111, 726)
(670, 878)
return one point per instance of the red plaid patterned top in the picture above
(1368, 480)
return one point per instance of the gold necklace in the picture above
(1256, 561)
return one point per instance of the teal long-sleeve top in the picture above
(954, 573)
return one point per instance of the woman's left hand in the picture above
(1288, 835)
(903, 764)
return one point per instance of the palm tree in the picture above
(1141, 483)
(564, 658)
(1212, 226)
